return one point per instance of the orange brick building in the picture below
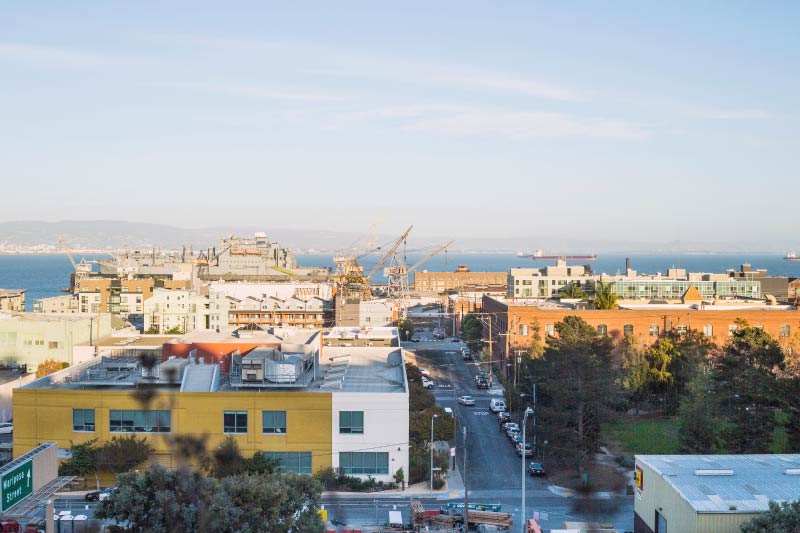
(462, 278)
(512, 323)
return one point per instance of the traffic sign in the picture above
(16, 485)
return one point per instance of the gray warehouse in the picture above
(710, 493)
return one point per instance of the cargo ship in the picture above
(791, 256)
(539, 255)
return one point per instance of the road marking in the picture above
(480, 413)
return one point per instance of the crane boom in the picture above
(425, 259)
(388, 254)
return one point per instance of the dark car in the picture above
(100, 495)
(414, 339)
(483, 384)
(536, 469)
(503, 417)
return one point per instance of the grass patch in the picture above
(642, 436)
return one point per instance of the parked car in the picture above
(498, 405)
(504, 425)
(465, 353)
(480, 376)
(511, 428)
(425, 372)
(503, 417)
(100, 495)
(6, 427)
(427, 383)
(536, 469)
(528, 449)
(466, 400)
(414, 339)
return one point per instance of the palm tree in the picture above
(604, 297)
(573, 290)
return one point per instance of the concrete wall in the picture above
(385, 428)
(6, 393)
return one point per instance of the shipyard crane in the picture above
(388, 254)
(82, 269)
(398, 272)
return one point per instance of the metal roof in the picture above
(729, 483)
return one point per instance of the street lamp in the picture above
(528, 411)
(434, 416)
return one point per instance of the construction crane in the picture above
(82, 269)
(397, 273)
(388, 254)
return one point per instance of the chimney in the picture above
(627, 264)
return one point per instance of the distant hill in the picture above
(115, 234)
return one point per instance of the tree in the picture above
(82, 461)
(406, 329)
(746, 383)
(178, 500)
(471, 331)
(604, 297)
(576, 384)
(635, 370)
(123, 453)
(781, 518)
(701, 429)
(572, 290)
(49, 366)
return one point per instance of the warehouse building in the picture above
(282, 393)
(710, 493)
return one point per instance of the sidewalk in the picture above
(453, 488)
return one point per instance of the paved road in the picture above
(493, 467)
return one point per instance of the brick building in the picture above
(461, 279)
(512, 321)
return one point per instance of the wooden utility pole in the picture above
(466, 483)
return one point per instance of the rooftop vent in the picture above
(708, 472)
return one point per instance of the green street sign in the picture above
(16, 485)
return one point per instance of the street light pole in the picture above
(431, 444)
(524, 421)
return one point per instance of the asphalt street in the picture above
(493, 472)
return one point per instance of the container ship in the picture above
(791, 256)
(539, 255)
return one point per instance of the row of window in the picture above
(654, 330)
(132, 421)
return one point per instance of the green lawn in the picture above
(632, 436)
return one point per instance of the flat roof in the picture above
(242, 335)
(729, 483)
(135, 341)
(47, 317)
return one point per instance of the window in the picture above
(234, 422)
(550, 330)
(732, 329)
(139, 421)
(682, 329)
(83, 420)
(523, 330)
(53, 345)
(351, 422)
(364, 462)
(654, 330)
(602, 329)
(708, 330)
(627, 329)
(296, 462)
(785, 330)
(273, 422)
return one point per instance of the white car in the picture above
(6, 428)
(466, 400)
(427, 383)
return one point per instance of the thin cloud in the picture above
(356, 64)
(468, 121)
(34, 54)
(258, 91)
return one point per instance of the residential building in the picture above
(280, 392)
(65, 303)
(546, 282)
(177, 310)
(30, 338)
(114, 295)
(360, 313)
(669, 289)
(461, 279)
(12, 300)
(312, 313)
(710, 493)
(513, 320)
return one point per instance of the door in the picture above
(661, 523)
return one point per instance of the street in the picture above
(493, 467)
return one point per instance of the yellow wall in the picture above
(46, 415)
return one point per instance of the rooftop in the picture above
(729, 483)
(12, 292)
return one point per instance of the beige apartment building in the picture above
(12, 300)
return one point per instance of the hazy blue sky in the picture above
(633, 120)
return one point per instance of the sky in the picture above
(649, 121)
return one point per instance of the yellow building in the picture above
(345, 409)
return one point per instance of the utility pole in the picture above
(466, 483)
(431, 444)
(522, 509)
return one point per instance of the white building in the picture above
(548, 281)
(177, 310)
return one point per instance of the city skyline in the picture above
(518, 120)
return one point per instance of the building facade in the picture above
(12, 300)
(114, 295)
(176, 311)
(65, 303)
(461, 279)
(286, 398)
(548, 281)
(513, 321)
